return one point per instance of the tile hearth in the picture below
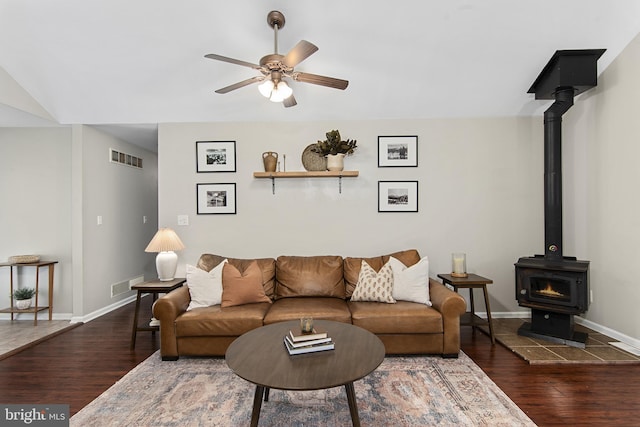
(536, 351)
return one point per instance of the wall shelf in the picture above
(306, 174)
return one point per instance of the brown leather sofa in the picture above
(320, 287)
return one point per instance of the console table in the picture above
(37, 308)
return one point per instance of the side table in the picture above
(153, 287)
(471, 282)
(37, 308)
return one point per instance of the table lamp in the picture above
(165, 242)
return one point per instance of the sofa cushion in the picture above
(315, 276)
(352, 266)
(267, 266)
(317, 308)
(217, 321)
(205, 288)
(374, 286)
(411, 283)
(403, 317)
(242, 287)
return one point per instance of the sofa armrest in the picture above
(167, 309)
(451, 306)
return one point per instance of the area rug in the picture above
(403, 391)
(541, 352)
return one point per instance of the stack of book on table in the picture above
(299, 343)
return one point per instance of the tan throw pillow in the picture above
(242, 288)
(372, 286)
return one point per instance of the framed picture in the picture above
(397, 151)
(216, 156)
(397, 196)
(216, 198)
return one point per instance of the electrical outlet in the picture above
(144, 219)
(591, 296)
(99, 220)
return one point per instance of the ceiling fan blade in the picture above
(238, 85)
(290, 102)
(232, 61)
(321, 80)
(299, 53)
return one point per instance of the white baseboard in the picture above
(608, 332)
(94, 315)
(42, 315)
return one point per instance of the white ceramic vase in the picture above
(23, 304)
(335, 162)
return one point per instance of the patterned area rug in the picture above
(403, 391)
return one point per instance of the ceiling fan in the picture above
(276, 69)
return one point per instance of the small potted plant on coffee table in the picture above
(23, 297)
(334, 148)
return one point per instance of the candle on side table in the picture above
(458, 264)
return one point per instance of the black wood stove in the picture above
(554, 286)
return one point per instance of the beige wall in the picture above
(35, 217)
(605, 205)
(480, 191)
(113, 251)
(55, 181)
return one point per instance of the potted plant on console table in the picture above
(334, 148)
(23, 297)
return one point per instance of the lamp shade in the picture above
(276, 92)
(165, 240)
(265, 88)
(281, 92)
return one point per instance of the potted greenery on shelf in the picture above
(334, 148)
(23, 297)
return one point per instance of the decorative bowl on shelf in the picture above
(313, 161)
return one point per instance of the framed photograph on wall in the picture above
(216, 156)
(397, 151)
(397, 196)
(216, 198)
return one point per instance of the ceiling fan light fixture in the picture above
(280, 92)
(266, 88)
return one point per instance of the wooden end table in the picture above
(260, 357)
(471, 282)
(153, 287)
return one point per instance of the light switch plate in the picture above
(183, 219)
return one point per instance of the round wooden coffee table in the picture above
(260, 357)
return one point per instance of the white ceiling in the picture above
(142, 62)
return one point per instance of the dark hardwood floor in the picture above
(77, 366)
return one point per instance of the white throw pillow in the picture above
(374, 286)
(411, 283)
(205, 288)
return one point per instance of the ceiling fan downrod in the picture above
(275, 19)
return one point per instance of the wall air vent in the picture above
(116, 156)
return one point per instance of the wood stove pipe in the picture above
(553, 172)
(567, 74)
